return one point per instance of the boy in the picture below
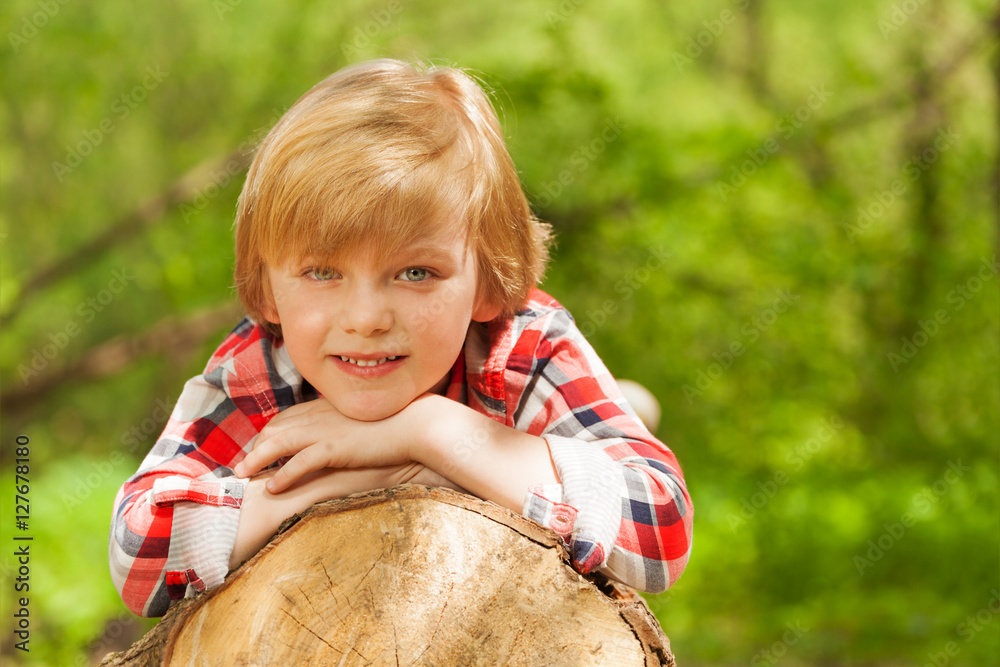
(387, 259)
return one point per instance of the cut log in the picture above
(410, 575)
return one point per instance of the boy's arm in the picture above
(184, 518)
(573, 455)
(176, 520)
(176, 517)
(621, 503)
(629, 517)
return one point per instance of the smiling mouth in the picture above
(367, 362)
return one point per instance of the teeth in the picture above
(367, 362)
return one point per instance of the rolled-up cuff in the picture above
(201, 543)
(226, 492)
(592, 489)
(542, 504)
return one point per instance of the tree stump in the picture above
(410, 575)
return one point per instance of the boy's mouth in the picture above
(367, 362)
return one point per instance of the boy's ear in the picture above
(270, 311)
(484, 311)
(268, 308)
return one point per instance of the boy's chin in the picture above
(370, 412)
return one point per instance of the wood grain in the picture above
(407, 576)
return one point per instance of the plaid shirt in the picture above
(621, 507)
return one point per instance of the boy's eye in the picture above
(323, 273)
(414, 274)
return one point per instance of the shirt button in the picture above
(560, 520)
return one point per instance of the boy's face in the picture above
(372, 335)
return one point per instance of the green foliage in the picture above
(824, 346)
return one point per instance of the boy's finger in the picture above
(267, 449)
(255, 461)
(277, 425)
(296, 467)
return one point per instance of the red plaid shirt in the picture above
(622, 507)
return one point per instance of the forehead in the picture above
(325, 212)
(440, 238)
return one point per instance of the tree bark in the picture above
(410, 575)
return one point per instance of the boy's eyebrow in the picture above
(429, 251)
(429, 248)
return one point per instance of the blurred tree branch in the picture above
(902, 97)
(757, 54)
(804, 146)
(928, 229)
(150, 211)
(171, 337)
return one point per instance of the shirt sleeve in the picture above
(174, 522)
(622, 506)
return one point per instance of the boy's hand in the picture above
(316, 435)
(263, 512)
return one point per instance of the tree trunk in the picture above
(407, 576)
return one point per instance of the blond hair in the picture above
(372, 155)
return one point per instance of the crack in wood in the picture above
(291, 601)
(333, 593)
(395, 642)
(310, 631)
(437, 626)
(377, 561)
(323, 565)
(311, 605)
(517, 641)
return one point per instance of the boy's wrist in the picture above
(426, 420)
(446, 434)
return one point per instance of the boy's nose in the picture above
(365, 312)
